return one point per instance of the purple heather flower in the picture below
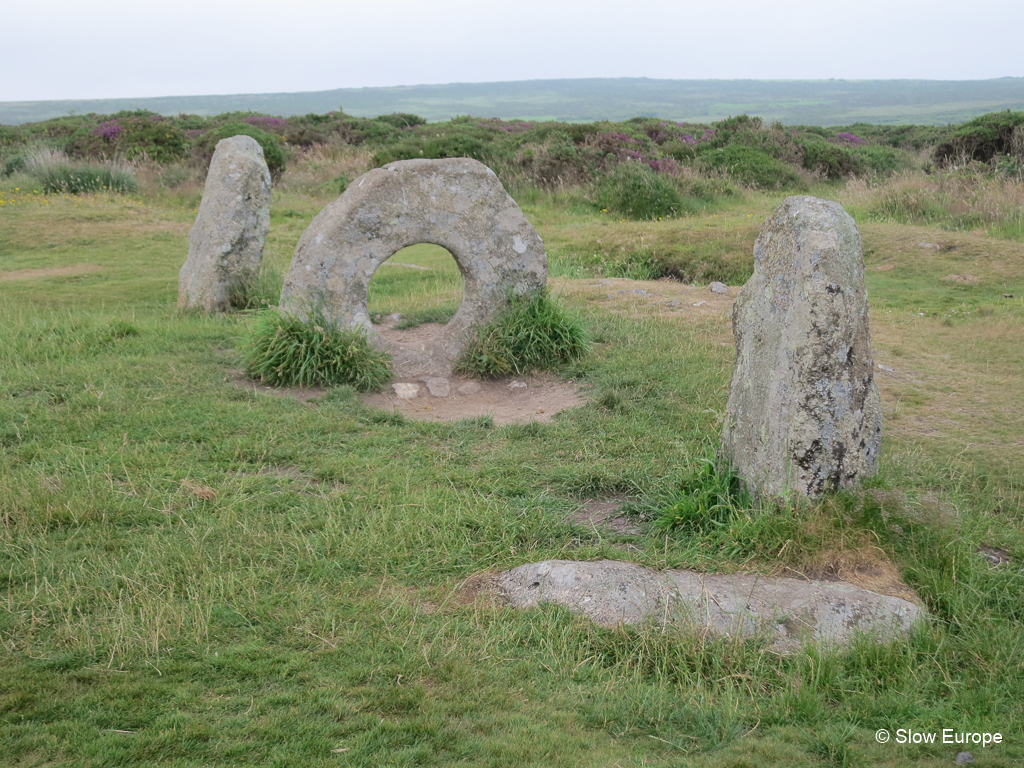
(267, 123)
(109, 130)
(849, 138)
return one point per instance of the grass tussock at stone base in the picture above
(534, 334)
(261, 292)
(285, 350)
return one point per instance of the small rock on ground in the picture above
(964, 758)
(717, 287)
(406, 391)
(438, 387)
(469, 388)
(517, 385)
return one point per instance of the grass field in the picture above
(196, 574)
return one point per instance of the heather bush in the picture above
(983, 138)
(883, 161)
(132, 135)
(557, 162)
(455, 145)
(13, 164)
(635, 191)
(830, 160)
(753, 167)
(273, 152)
(402, 120)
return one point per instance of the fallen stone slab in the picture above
(225, 245)
(787, 612)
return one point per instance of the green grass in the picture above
(421, 281)
(533, 334)
(197, 574)
(311, 351)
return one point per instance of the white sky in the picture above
(61, 49)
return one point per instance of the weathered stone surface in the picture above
(225, 245)
(470, 388)
(456, 203)
(437, 386)
(787, 612)
(804, 412)
(717, 287)
(406, 391)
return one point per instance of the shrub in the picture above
(830, 160)
(402, 120)
(273, 152)
(635, 191)
(133, 135)
(883, 161)
(283, 350)
(13, 164)
(754, 168)
(534, 333)
(455, 145)
(981, 139)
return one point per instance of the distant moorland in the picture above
(807, 102)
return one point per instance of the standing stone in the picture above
(457, 203)
(226, 242)
(804, 413)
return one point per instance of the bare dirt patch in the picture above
(602, 514)
(43, 272)
(411, 339)
(514, 400)
(480, 587)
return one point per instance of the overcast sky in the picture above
(78, 50)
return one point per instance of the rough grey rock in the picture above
(964, 758)
(406, 391)
(438, 387)
(804, 412)
(456, 203)
(225, 245)
(717, 287)
(787, 612)
(470, 388)
(517, 385)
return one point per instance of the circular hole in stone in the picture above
(419, 287)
